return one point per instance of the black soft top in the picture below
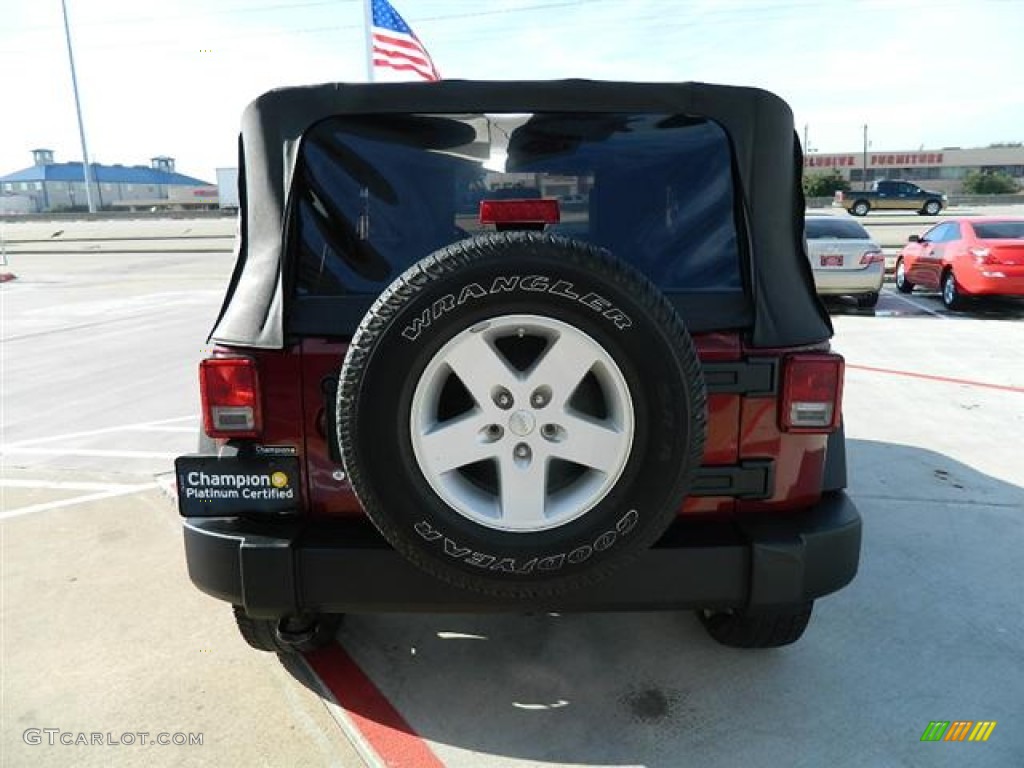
(767, 169)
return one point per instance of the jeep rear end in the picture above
(653, 355)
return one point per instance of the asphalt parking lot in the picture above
(102, 632)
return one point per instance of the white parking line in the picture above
(913, 303)
(183, 430)
(46, 506)
(103, 431)
(100, 452)
(64, 485)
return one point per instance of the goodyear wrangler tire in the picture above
(519, 414)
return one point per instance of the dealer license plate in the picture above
(211, 486)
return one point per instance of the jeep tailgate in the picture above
(331, 495)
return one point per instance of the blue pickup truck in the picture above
(891, 195)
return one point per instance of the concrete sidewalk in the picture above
(103, 633)
(120, 235)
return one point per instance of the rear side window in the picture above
(834, 228)
(373, 194)
(943, 233)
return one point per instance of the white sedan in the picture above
(844, 259)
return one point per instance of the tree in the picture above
(989, 183)
(824, 184)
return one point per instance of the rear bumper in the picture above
(278, 568)
(838, 282)
(993, 280)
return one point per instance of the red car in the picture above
(965, 257)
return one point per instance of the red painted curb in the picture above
(931, 377)
(379, 723)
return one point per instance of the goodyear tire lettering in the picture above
(546, 564)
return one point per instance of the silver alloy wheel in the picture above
(949, 289)
(901, 274)
(537, 434)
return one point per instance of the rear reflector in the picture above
(812, 390)
(231, 397)
(519, 211)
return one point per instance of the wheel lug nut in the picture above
(541, 396)
(502, 398)
(553, 433)
(522, 451)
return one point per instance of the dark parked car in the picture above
(409, 407)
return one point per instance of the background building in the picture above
(51, 186)
(940, 169)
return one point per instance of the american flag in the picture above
(396, 48)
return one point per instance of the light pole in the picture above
(864, 173)
(86, 168)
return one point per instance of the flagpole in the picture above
(368, 29)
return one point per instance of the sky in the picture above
(171, 77)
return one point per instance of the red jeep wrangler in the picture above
(437, 387)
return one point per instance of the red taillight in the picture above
(872, 257)
(983, 256)
(230, 389)
(519, 212)
(812, 392)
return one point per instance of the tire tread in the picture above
(758, 629)
(262, 634)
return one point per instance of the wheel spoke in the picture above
(591, 444)
(480, 367)
(523, 491)
(456, 443)
(565, 362)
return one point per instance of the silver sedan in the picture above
(844, 259)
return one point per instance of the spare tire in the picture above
(519, 414)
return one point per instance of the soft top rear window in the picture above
(373, 194)
(833, 227)
(999, 230)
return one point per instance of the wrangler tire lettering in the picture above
(507, 284)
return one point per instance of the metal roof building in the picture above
(55, 186)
